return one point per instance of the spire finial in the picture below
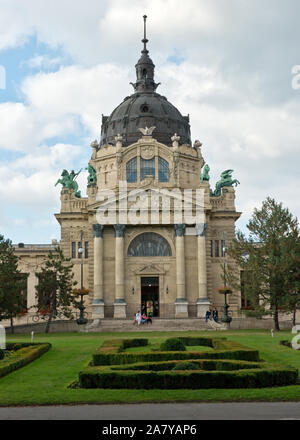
(144, 40)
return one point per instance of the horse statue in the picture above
(226, 180)
(205, 174)
(68, 181)
(92, 177)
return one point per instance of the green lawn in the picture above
(46, 380)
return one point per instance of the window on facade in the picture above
(73, 249)
(149, 244)
(163, 170)
(86, 249)
(217, 248)
(211, 248)
(147, 168)
(131, 170)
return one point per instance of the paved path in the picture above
(178, 411)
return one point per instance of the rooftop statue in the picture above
(92, 177)
(226, 180)
(205, 174)
(68, 181)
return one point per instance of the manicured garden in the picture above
(47, 380)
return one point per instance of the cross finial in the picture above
(144, 40)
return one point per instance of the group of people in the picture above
(212, 315)
(142, 318)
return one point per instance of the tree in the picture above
(265, 258)
(55, 288)
(12, 283)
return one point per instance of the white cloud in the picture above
(233, 79)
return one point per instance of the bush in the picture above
(103, 377)
(186, 366)
(17, 347)
(173, 344)
(286, 343)
(26, 354)
(2, 354)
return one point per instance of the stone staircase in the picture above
(158, 324)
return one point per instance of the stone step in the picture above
(158, 324)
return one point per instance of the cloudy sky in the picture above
(226, 63)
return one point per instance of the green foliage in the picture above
(129, 343)
(99, 377)
(269, 259)
(172, 344)
(109, 353)
(12, 283)
(21, 357)
(2, 354)
(186, 366)
(55, 288)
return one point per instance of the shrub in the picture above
(26, 354)
(172, 344)
(103, 377)
(17, 347)
(186, 366)
(2, 354)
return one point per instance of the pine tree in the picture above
(55, 288)
(12, 284)
(266, 259)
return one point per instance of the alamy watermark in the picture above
(2, 337)
(296, 77)
(2, 78)
(296, 338)
(155, 206)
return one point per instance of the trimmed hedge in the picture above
(173, 344)
(21, 357)
(2, 354)
(203, 364)
(230, 365)
(111, 352)
(100, 377)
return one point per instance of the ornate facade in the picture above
(140, 255)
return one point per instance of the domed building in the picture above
(150, 234)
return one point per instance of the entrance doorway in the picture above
(150, 295)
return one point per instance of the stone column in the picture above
(181, 304)
(98, 303)
(202, 302)
(120, 304)
(32, 281)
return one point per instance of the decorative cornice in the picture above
(98, 230)
(179, 229)
(119, 230)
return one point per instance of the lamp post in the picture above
(226, 318)
(82, 320)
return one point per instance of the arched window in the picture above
(149, 244)
(147, 168)
(163, 170)
(131, 170)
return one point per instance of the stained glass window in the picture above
(147, 168)
(163, 170)
(131, 170)
(149, 244)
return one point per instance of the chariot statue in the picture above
(68, 181)
(92, 177)
(226, 180)
(205, 174)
